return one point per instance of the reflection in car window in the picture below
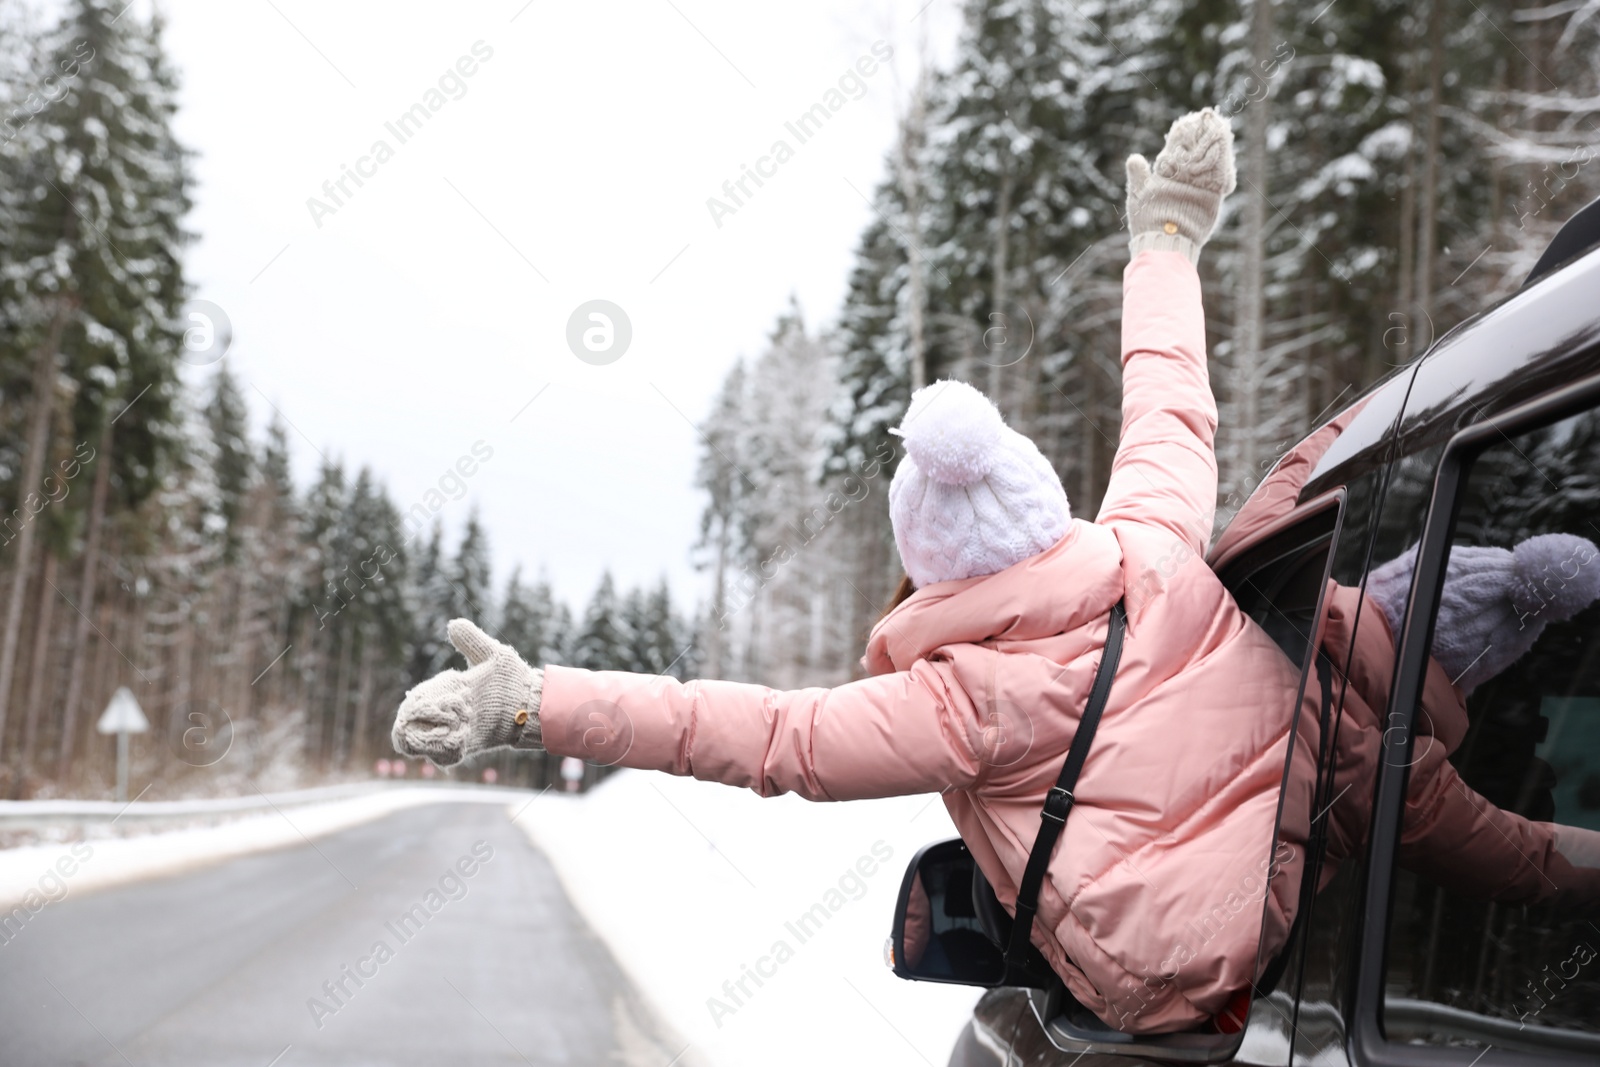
(1497, 896)
(1384, 513)
(1341, 813)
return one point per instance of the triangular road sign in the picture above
(123, 714)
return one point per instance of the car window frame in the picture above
(1369, 1044)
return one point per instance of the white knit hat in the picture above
(972, 495)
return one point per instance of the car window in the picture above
(1300, 1002)
(1279, 578)
(1493, 938)
(1384, 513)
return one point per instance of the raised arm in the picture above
(1165, 470)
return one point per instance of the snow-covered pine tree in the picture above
(375, 624)
(323, 534)
(233, 548)
(92, 269)
(637, 631)
(602, 640)
(346, 586)
(532, 623)
(1026, 140)
(657, 638)
(519, 627)
(870, 344)
(324, 531)
(989, 160)
(280, 566)
(267, 568)
(471, 596)
(783, 513)
(430, 609)
(231, 458)
(1534, 117)
(722, 537)
(562, 632)
(21, 152)
(181, 577)
(1100, 82)
(669, 642)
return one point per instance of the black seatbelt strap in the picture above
(1058, 802)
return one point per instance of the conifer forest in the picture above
(1402, 165)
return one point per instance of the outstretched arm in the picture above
(1165, 471)
(894, 734)
(912, 731)
(1458, 839)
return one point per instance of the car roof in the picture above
(1541, 337)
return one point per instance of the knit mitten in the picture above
(1495, 602)
(494, 703)
(1175, 207)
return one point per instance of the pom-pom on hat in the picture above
(1495, 602)
(972, 496)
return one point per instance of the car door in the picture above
(1524, 350)
(1447, 974)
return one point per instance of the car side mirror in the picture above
(938, 935)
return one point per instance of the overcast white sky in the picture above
(431, 307)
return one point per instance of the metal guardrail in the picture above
(30, 814)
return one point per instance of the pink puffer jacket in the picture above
(1153, 910)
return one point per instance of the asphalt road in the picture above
(219, 966)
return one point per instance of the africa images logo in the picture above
(803, 128)
(403, 128)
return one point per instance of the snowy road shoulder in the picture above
(755, 926)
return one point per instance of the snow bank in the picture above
(57, 869)
(696, 886)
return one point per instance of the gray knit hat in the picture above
(1496, 602)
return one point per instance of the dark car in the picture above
(1492, 437)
